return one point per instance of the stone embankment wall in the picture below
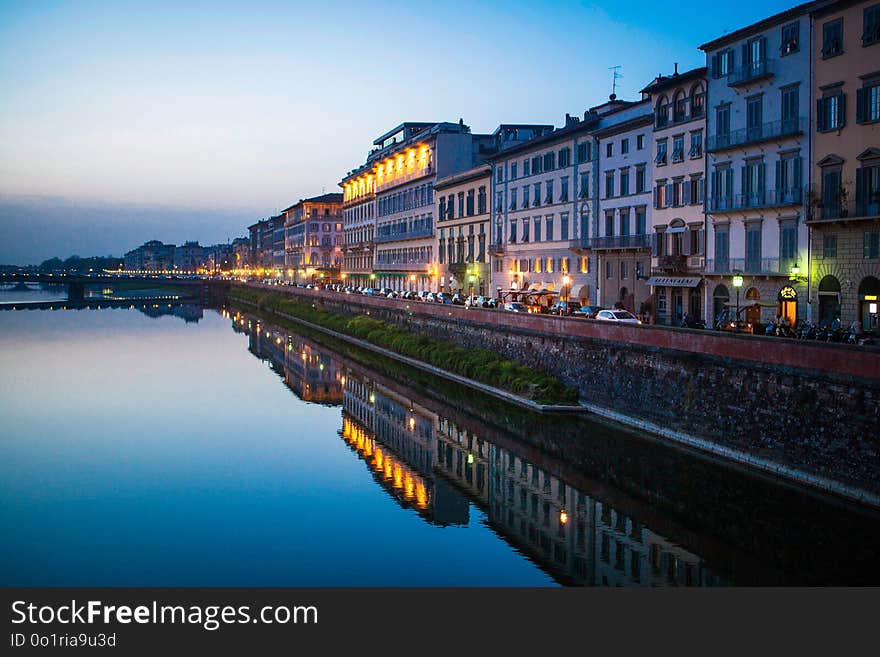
(810, 408)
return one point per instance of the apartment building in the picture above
(462, 211)
(189, 257)
(313, 232)
(359, 224)
(844, 208)
(621, 240)
(678, 180)
(758, 141)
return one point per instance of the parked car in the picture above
(589, 312)
(515, 307)
(458, 299)
(621, 316)
(565, 308)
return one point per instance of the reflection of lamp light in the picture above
(470, 459)
(563, 516)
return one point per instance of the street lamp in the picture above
(412, 280)
(737, 283)
(566, 284)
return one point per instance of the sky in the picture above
(123, 121)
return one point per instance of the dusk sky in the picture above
(127, 121)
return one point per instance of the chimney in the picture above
(676, 69)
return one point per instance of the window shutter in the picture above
(797, 174)
(729, 177)
(670, 188)
(716, 184)
(701, 191)
(657, 197)
(820, 114)
(763, 48)
(841, 111)
(860, 189)
(686, 192)
(780, 183)
(762, 179)
(655, 244)
(686, 243)
(715, 66)
(745, 54)
(701, 241)
(860, 105)
(744, 179)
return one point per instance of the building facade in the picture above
(678, 182)
(462, 209)
(758, 142)
(359, 224)
(262, 246)
(621, 239)
(189, 257)
(844, 208)
(152, 256)
(313, 230)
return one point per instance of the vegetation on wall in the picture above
(480, 365)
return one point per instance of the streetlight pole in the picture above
(737, 284)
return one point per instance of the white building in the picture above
(758, 141)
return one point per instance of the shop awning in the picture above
(674, 281)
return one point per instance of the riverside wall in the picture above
(811, 408)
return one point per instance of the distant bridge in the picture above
(76, 283)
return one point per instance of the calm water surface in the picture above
(190, 447)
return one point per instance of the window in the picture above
(661, 153)
(624, 182)
(753, 178)
(640, 180)
(609, 274)
(660, 195)
(696, 150)
(537, 200)
(754, 116)
(678, 148)
(722, 245)
(790, 108)
(471, 197)
(624, 146)
(563, 226)
(787, 245)
(461, 204)
(512, 239)
(623, 270)
(788, 179)
(829, 246)
(549, 161)
(640, 142)
(609, 149)
(790, 39)
(585, 265)
(832, 38)
(872, 245)
(481, 200)
(513, 198)
(624, 221)
(549, 199)
(537, 163)
(722, 63)
(868, 102)
(563, 192)
(499, 173)
(513, 167)
(609, 184)
(525, 231)
(871, 31)
(722, 124)
(609, 223)
(537, 229)
(526, 168)
(525, 196)
(585, 185)
(564, 157)
(548, 228)
(583, 152)
(830, 111)
(753, 247)
(641, 220)
(868, 190)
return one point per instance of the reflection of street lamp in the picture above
(412, 280)
(737, 283)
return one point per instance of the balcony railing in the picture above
(675, 263)
(408, 235)
(835, 211)
(767, 199)
(402, 265)
(756, 266)
(750, 73)
(615, 242)
(765, 132)
(405, 178)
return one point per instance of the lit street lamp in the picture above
(566, 284)
(737, 283)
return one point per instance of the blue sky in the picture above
(201, 117)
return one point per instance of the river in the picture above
(174, 445)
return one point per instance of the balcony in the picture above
(749, 73)
(614, 242)
(405, 178)
(756, 135)
(769, 198)
(843, 211)
(748, 266)
(496, 248)
(401, 236)
(673, 263)
(402, 265)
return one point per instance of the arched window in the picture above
(662, 111)
(752, 294)
(676, 233)
(679, 104)
(698, 100)
(829, 299)
(720, 298)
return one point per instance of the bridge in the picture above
(76, 283)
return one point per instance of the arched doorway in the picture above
(695, 303)
(829, 299)
(786, 304)
(624, 299)
(753, 306)
(720, 298)
(869, 298)
(583, 295)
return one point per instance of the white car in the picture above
(515, 307)
(622, 316)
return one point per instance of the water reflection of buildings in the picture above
(436, 465)
(188, 312)
(310, 372)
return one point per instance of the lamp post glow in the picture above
(737, 283)
(566, 283)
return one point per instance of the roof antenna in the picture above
(615, 76)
